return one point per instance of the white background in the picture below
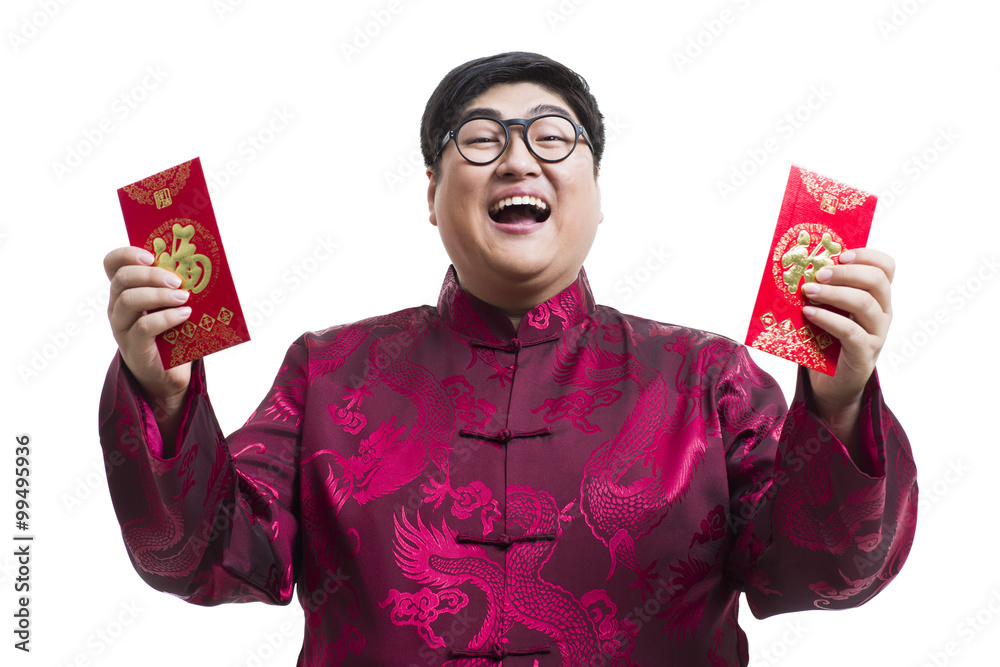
(896, 76)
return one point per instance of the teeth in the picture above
(518, 201)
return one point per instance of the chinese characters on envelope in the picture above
(820, 218)
(170, 215)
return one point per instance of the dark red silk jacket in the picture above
(437, 488)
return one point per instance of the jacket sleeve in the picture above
(215, 521)
(813, 528)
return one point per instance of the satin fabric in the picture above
(436, 487)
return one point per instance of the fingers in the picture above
(866, 269)
(120, 257)
(130, 277)
(860, 303)
(871, 257)
(860, 286)
(851, 334)
(150, 325)
(136, 303)
(137, 288)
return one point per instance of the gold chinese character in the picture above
(162, 198)
(194, 269)
(800, 263)
(828, 203)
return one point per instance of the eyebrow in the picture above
(537, 110)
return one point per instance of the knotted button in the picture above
(504, 436)
(514, 345)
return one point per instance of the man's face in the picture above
(510, 252)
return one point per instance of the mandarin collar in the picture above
(490, 326)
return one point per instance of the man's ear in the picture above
(431, 189)
(597, 184)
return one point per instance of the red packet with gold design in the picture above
(820, 219)
(170, 215)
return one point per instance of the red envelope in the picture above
(820, 218)
(170, 215)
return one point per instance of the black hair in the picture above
(470, 80)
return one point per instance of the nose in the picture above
(516, 158)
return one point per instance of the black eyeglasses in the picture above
(481, 140)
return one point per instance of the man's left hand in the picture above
(860, 286)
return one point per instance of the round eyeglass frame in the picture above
(525, 123)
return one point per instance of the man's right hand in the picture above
(137, 288)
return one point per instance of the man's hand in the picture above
(137, 287)
(860, 286)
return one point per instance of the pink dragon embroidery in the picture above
(434, 559)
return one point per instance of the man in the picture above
(517, 475)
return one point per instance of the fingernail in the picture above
(847, 257)
(146, 257)
(173, 280)
(180, 295)
(810, 289)
(823, 275)
(808, 311)
(184, 312)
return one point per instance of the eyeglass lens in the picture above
(482, 139)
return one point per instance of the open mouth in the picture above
(519, 210)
